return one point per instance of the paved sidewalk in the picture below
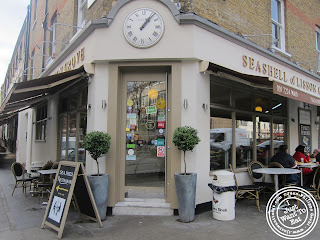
(21, 218)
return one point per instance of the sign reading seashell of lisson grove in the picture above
(286, 83)
(72, 63)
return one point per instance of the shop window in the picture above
(220, 139)
(278, 31)
(41, 122)
(252, 128)
(73, 124)
(263, 140)
(244, 140)
(242, 100)
(220, 95)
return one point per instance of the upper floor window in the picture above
(278, 32)
(32, 64)
(35, 12)
(318, 46)
(82, 6)
(41, 122)
(53, 35)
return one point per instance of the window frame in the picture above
(318, 47)
(82, 6)
(35, 9)
(41, 122)
(280, 45)
(53, 36)
(271, 116)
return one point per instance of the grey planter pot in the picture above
(186, 194)
(99, 187)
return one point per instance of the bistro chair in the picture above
(247, 191)
(259, 176)
(20, 177)
(314, 188)
(45, 182)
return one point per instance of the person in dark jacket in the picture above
(287, 161)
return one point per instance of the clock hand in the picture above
(147, 20)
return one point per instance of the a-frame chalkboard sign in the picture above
(70, 183)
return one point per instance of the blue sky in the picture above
(12, 15)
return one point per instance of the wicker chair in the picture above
(247, 191)
(314, 189)
(257, 176)
(20, 177)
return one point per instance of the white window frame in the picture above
(35, 13)
(82, 7)
(318, 48)
(281, 28)
(41, 123)
(53, 35)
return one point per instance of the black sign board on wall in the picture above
(70, 181)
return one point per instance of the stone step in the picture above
(143, 206)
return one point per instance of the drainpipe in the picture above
(44, 25)
(26, 43)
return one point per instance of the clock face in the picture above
(143, 27)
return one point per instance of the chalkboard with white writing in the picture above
(70, 183)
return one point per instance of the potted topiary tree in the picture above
(185, 139)
(97, 143)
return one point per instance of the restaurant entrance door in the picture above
(145, 137)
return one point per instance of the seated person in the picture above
(287, 161)
(316, 154)
(301, 156)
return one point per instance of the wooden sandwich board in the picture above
(70, 181)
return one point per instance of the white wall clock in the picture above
(143, 27)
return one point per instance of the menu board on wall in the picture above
(305, 137)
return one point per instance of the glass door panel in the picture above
(145, 133)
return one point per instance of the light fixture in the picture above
(205, 106)
(258, 109)
(185, 103)
(104, 104)
(277, 106)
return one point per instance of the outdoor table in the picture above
(275, 172)
(48, 172)
(305, 165)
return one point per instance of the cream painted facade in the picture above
(186, 45)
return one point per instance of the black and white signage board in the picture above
(70, 181)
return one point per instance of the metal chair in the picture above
(247, 191)
(259, 176)
(20, 177)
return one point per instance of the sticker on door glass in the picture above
(153, 94)
(161, 103)
(150, 124)
(131, 157)
(151, 109)
(160, 142)
(129, 103)
(130, 151)
(131, 115)
(161, 117)
(160, 151)
(161, 124)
